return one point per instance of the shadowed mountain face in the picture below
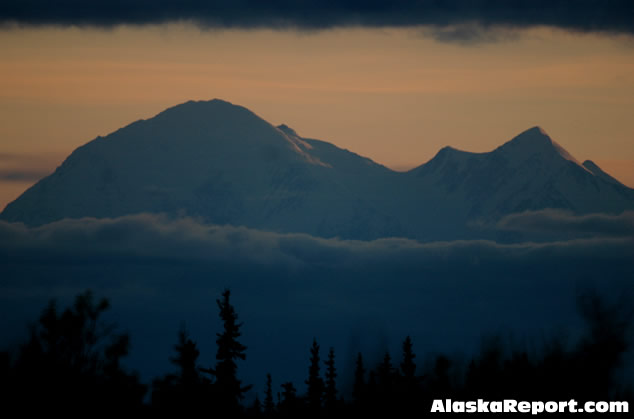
(224, 164)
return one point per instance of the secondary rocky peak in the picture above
(597, 171)
(287, 130)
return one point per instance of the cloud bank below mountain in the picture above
(158, 237)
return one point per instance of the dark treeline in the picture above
(71, 363)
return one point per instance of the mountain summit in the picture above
(223, 163)
(534, 141)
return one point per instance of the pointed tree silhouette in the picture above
(269, 405)
(186, 357)
(256, 407)
(331, 375)
(386, 373)
(441, 384)
(228, 388)
(289, 403)
(408, 367)
(408, 383)
(358, 389)
(386, 376)
(314, 382)
(183, 391)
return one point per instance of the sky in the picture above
(393, 83)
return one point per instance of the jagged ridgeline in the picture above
(226, 165)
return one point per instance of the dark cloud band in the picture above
(614, 16)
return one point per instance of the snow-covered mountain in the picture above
(223, 163)
(530, 172)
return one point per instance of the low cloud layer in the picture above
(458, 19)
(563, 224)
(155, 237)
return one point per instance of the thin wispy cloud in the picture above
(564, 223)
(22, 175)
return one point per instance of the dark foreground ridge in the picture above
(72, 364)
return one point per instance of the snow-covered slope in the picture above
(530, 172)
(212, 160)
(223, 163)
(598, 172)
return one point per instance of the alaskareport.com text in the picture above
(532, 407)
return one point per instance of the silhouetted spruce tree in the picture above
(488, 368)
(599, 354)
(518, 376)
(386, 377)
(289, 404)
(72, 363)
(184, 391)
(372, 394)
(167, 392)
(408, 383)
(358, 389)
(228, 388)
(256, 408)
(408, 367)
(186, 357)
(315, 383)
(386, 373)
(124, 388)
(441, 384)
(269, 405)
(331, 385)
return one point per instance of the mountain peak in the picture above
(535, 140)
(533, 137)
(205, 103)
(194, 109)
(539, 130)
(214, 101)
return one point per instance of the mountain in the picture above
(212, 160)
(224, 164)
(530, 172)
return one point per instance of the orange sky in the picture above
(392, 95)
